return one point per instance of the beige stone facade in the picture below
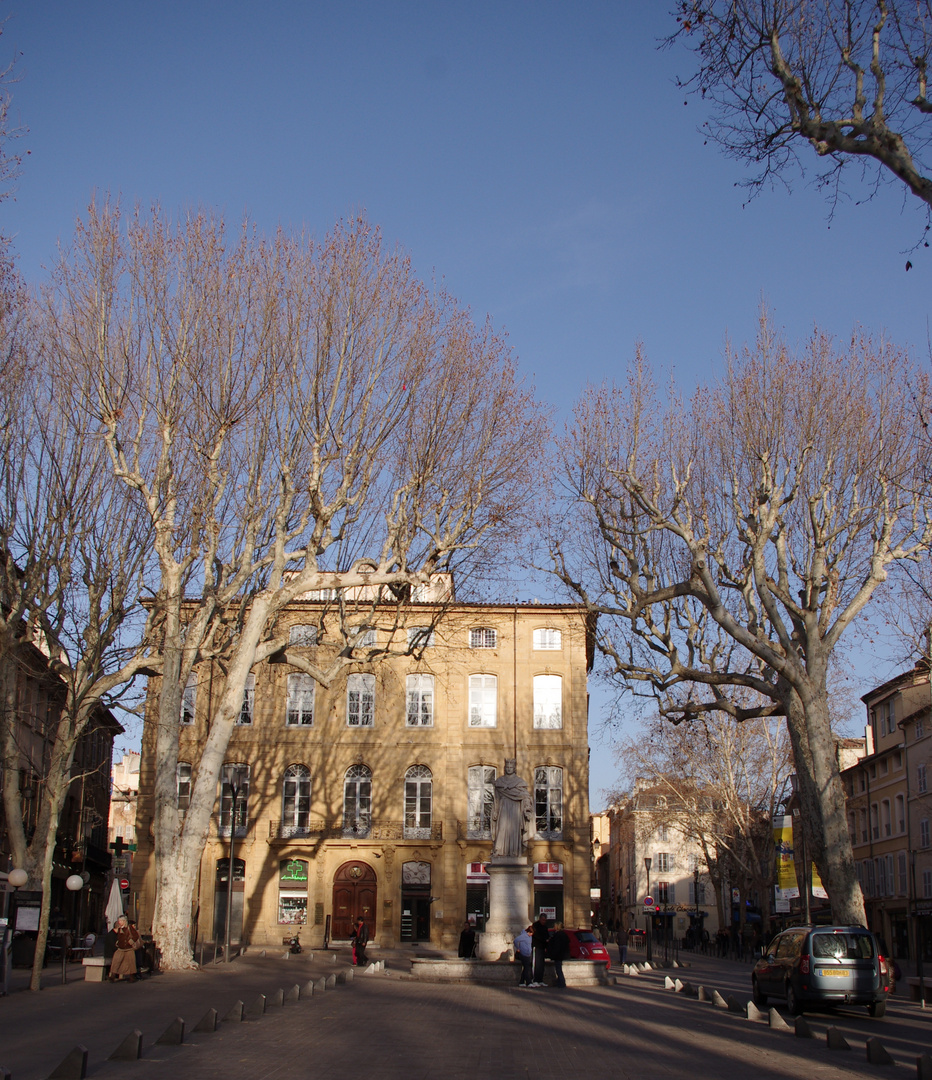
(371, 796)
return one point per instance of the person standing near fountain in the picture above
(511, 813)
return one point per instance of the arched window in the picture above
(548, 701)
(296, 801)
(418, 796)
(548, 802)
(481, 797)
(357, 801)
(546, 637)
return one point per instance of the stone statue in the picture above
(511, 813)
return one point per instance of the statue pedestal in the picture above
(509, 906)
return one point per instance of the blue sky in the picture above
(536, 157)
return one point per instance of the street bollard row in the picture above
(876, 1052)
(74, 1065)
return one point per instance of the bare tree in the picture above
(723, 783)
(72, 552)
(281, 409)
(846, 77)
(732, 542)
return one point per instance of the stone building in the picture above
(889, 805)
(371, 797)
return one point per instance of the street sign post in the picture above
(648, 901)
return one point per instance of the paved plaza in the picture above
(388, 1026)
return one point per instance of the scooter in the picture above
(295, 944)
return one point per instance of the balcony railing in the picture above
(312, 831)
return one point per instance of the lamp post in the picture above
(650, 954)
(697, 934)
(73, 883)
(16, 879)
(233, 788)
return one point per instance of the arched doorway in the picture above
(354, 895)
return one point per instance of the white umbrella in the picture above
(114, 904)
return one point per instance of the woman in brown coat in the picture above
(124, 954)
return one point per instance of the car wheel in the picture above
(877, 1009)
(759, 999)
(792, 1001)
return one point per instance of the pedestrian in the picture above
(558, 951)
(360, 940)
(127, 941)
(523, 957)
(467, 941)
(622, 942)
(540, 936)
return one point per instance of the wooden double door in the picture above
(354, 897)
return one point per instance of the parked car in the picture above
(584, 945)
(823, 965)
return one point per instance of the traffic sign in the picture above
(648, 901)
(124, 883)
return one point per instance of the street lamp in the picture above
(16, 880)
(697, 935)
(649, 927)
(233, 789)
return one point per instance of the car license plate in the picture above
(839, 973)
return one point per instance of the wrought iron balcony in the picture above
(312, 831)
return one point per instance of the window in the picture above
(300, 711)
(867, 881)
(357, 801)
(548, 802)
(546, 637)
(292, 892)
(360, 700)
(927, 884)
(303, 635)
(862, 817)
(249, 700)
(420, 637)
(875, 826)
(693, 895)
(364, 637)
(189, 700)
(183, 784)
(665, 862)
(420, 694)
(883, 714)
(920, 729)
(663, 834)
(666, 892)
(548, 701)
(891, 884)
(900, 814)
(481, 798)
(234, 776)
(885, 817)
(418, 791)
(901, 874)
(483, 700)
(924, 832)
(483, 637)
(921, 785)
(296, 801)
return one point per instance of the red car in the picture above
(584, 945)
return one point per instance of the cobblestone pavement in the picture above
(391, 1027)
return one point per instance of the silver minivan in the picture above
(823, 965)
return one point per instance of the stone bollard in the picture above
(173, 1035)
(718, 1001)
(834, 1040)
(735, 1006)
(276, 1000)
(924, 1067)
(320, 986)
(803, 1030)
(777, 1022)
(877, 1053)
(257, 1009)
(236, 1013)
(753, 1013)
(668, 983)
(704, 994)
(130, 1049)
(308, 990)
(331, 982)
(208, 1022)
(293, 996)
(71, 1067)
